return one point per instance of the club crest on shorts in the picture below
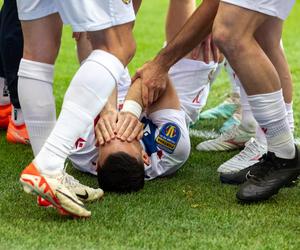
(168, 137)
(126, 1)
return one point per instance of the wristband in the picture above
(133, 107)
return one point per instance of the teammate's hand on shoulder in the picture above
(106, 126)
(128, 127)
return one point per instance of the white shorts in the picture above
(191, 80)
(82, 15)
(276, 8)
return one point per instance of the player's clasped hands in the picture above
(122, 125)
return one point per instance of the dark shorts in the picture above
(11, 48)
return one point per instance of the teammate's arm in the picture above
(196, 29)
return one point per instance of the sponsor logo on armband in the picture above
(168, 137)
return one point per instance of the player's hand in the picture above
(209, 50)
(195, 54)
(106, 126)
(215, 51)
(128, 127)
(154, 81)
(206, 45)
(76, 35)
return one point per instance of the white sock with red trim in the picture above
(270, 113)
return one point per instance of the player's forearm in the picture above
(135, 92)
(111, 104)
(194, 31)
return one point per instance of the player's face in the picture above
(133, 148)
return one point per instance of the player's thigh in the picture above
(42, 29)
(233, 21)
(42, 38)
(117, 40)
(109, 24)
(268, 35)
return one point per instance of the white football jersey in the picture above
(166, 141)
(166, 137)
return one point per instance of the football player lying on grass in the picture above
(131, 151)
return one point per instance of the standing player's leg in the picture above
(233, 170)
(37, 101)
(272, 45)
(12, 50)
(230, 107)
(36, 72)
(262, 83)
(191, 75)
(5, 107)
(178, 13)
(36, 98)
(83, 46)
(113, 47)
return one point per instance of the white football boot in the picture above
(234, 138)
(234, 170)
(83, 192)
(54, 191)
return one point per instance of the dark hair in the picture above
(121, 173)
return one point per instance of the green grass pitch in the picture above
(192, 210)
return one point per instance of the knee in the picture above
(44, 51)
(129, 51)
(227, 40)
(120, 44)
(124, 50)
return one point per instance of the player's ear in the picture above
(146, 158)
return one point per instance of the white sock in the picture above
(235, 88)
(260, 136)
(290, 116)
(4, 96)
(17, 116)
(37, 101)
(248, 121)
(87, 94)
(270, 113)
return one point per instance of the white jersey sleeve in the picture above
(166, 141)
